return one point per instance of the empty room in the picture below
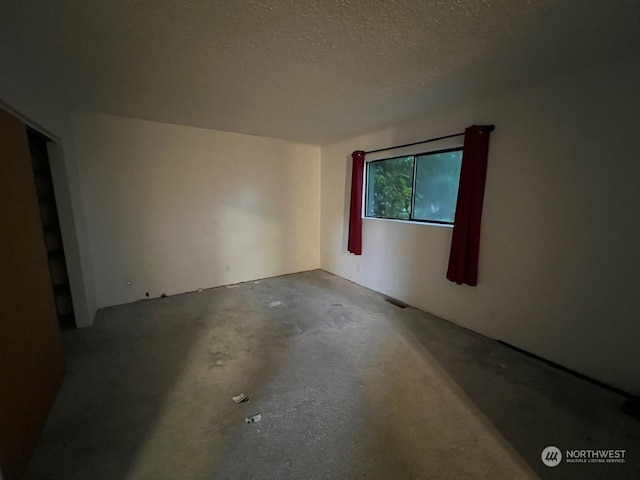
(343, 239)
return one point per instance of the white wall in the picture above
(173, 208)
(560, 258)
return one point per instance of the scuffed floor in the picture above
(348, 385)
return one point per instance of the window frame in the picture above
(413, 187)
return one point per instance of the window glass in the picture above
(392, 191)
(437, 180)
(389, 187)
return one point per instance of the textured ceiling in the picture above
(311, 71)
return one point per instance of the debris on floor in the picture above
(275, 304)
(336, 304)
(199, 290)
(396, 303)
(232, 286)
(257, 281)
(163, 295)
(240, 398)
(254, 418)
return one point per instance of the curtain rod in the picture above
(487, 128)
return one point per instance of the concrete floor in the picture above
(349, 387)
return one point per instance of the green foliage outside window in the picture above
(390, 187)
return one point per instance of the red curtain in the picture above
(355, 213)
(465, 244)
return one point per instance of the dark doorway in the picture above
(51, 229)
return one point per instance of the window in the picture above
(422, 188)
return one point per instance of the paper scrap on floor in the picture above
(240, 398)
(254, 418)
